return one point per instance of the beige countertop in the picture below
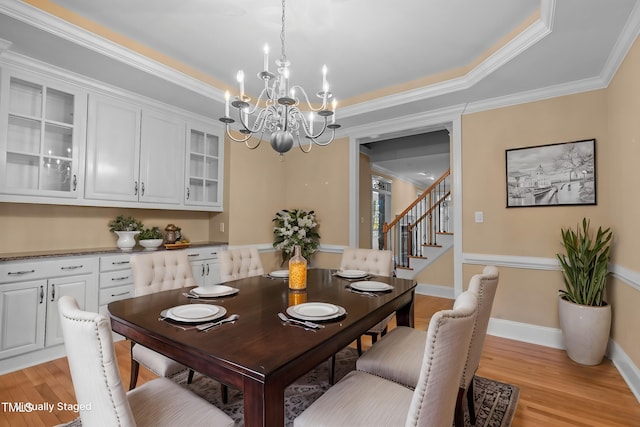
(17, 256)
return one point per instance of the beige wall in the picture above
(623, 149)
(30, 227)
(611, 117)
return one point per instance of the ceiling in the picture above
(386, 60)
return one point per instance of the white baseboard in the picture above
(435, 290)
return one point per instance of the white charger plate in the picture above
(351, 274)
(371, 286)
(195, 313)
(280, 274)
(291, 311)
(214, 291)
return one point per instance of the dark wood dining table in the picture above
(259, 354)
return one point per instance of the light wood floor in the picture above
(554, 391)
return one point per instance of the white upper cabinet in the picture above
(42, 136)
(133, 154)
(161, 158)
(204, 166)
(113, 149)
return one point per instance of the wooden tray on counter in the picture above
(176, 245)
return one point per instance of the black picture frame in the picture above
(562, 174)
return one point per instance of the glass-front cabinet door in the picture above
(40, 144)
(205, 166)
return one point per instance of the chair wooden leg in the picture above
(471, 403)
(135, 366)
(190, 377)
(224, 390)
(458, 419)
(359, 344)
(332, 369)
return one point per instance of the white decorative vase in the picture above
(126, 239)
(585, 330)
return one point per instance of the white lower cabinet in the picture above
(22, 316)
(29, 292)
(30, 330)
(116, 282)
(204, 264)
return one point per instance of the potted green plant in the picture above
(150, 238)
(126, 227)
(585, 316)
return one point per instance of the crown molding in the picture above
(4, 46)
(530, 36)
(65, 30)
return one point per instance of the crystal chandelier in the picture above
(276, 109)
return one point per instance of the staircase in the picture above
(422, 232)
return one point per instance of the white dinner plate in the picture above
(291, 311)
(195, 313)
(370, 286)
(214, 291)
(351, 274)
(280, 274)
(315, 309)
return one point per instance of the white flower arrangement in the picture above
(296, 228)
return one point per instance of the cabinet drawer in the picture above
(110, 279)
(114, 262)
(38, 269)
(115, 294)
(206, 252)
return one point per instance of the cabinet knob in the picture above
(75, 182)
(188, 193)
(142, 189)
(135, 188)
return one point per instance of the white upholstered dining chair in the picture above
(155, 272)
(363, 399)
(98, 386)
(372, 261)
(398, 356)
(239, 263)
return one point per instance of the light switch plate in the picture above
(479, 217)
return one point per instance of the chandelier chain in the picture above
(284, 55)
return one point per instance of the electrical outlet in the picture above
(222, 227)
(479, 217)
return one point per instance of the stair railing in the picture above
(420, 223)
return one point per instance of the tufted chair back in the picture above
(372, 261)
(239, 263)
(448, 338)
(484, 287)
(161, 271)
(93, 365)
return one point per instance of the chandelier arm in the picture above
(255, 146)
(308, 102)
(300, 145)
(235, 139)
(323, 144)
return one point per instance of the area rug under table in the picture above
(495, 401)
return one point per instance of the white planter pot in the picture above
(150, 244)
(126, 239)
(585, 330)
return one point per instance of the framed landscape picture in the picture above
(552, 175)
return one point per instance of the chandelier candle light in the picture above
(276, 109)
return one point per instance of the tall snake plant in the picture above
(584, 266)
